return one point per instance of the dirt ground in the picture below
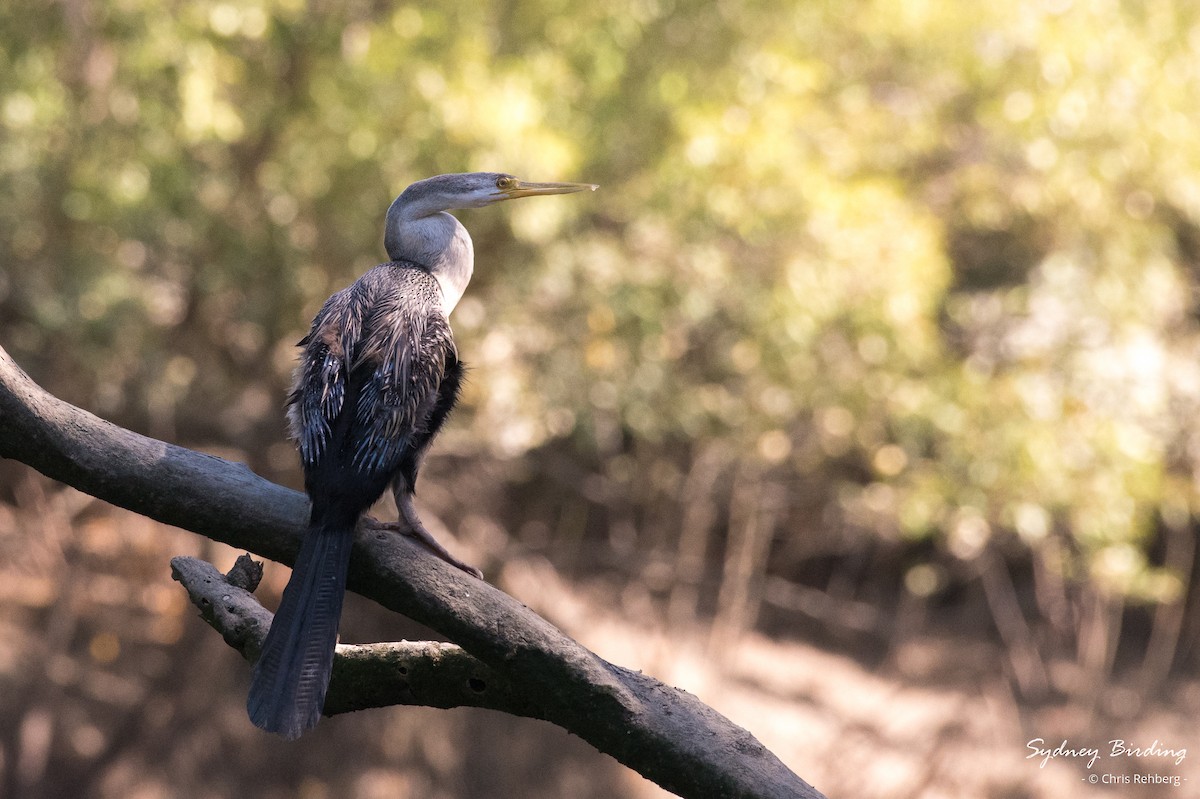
(893, 732)
(110, 686)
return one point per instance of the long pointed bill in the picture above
(526, 189)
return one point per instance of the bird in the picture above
(378, 375)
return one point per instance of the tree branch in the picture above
(425, 673)
(663, 733)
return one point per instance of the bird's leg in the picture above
(411, 526)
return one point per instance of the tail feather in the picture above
(292, 674)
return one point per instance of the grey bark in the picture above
(665, 734)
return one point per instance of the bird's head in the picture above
(475, 190)
(418, 229)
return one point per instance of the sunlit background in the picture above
(860, 401)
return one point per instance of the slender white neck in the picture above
(436, 241)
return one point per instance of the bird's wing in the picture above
(378, 351)
(405, 351)
(320, 383)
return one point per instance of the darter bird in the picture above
(378, 374)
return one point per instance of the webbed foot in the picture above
(411, 526)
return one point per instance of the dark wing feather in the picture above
(388, 331)
(319, 386)
(406, 351)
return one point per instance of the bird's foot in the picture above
(426, 539)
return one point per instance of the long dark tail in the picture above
(292, 675)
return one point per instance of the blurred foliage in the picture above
(926, 271)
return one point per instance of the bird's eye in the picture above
(505, 182)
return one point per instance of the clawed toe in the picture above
(425, 538)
